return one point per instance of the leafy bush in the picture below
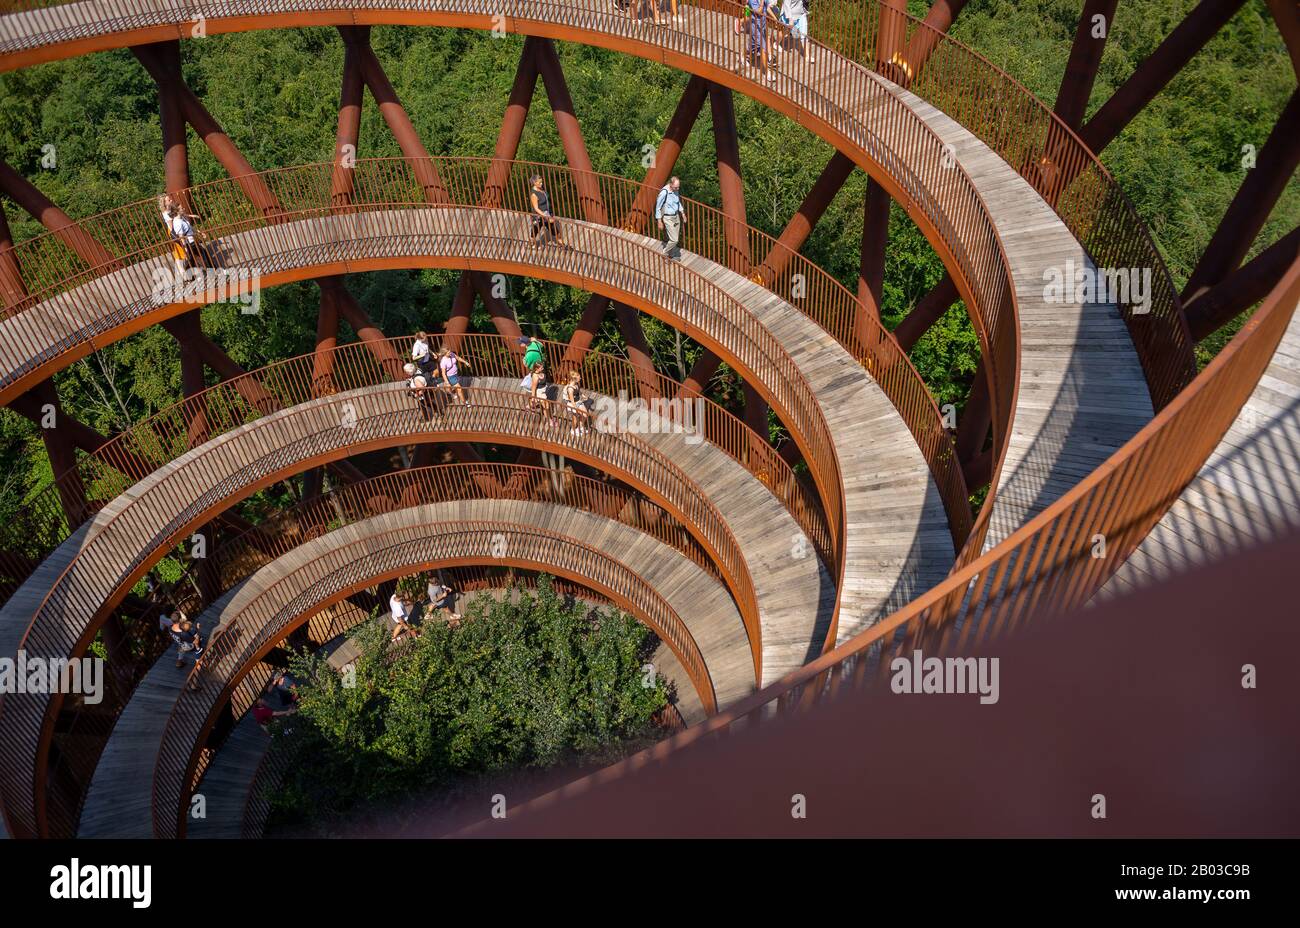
(518, 684)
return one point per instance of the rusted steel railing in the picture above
(1048, 566)
(135, 236)
(83, 731)
(134, 454)
(272, 613)
(165, 508)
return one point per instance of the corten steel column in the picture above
(976, 418)
(1178, 48)
(461, 307)
(801, 224)
(39, 207)
(926, 313)
(871, 267)
(726, 143)
(494, 189)
(162, 61)
(566, 123)
(890, 33)
(61, 450)
(875, 236)
(591, 201)
(327, 339)
(512, 125)
(1243, 288)
(924, 40)
(640, 216)
(399, 123)
(360, 322)
(12, 289)
(347, 136)
(1245, 216)
(1085, 57)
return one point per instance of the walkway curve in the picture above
(137, 528)
(134, 454)
(1246, 494)
(1025, 133)
(238, 556)
(278, 603)
(727, 313)
(71, 311)
(287, 592)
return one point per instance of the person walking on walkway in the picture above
(535, 384)
(420, 353)
(533, 352)
(417, 384)
(399, 610)
(188, 641)
(577, 404)
(543, 219)
(449, 371)
(752, 24)
(440, 599)
(794, 15)
(669, 216)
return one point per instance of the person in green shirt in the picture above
(533, 353)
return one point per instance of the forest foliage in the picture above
(527, 680)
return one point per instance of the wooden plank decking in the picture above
(1247, 493)
(119, 801)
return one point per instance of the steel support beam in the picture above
(399, 123)
(13, 290)
(1085, 57)
(932, 306)
(814, 205)
(1178, 48)
(38, 206)
(348, 134)
(162, 61)
(875, 236)
(924, 40)
(1243, 288)
(1259, 192)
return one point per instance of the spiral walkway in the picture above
(769, 590)
(119, 802)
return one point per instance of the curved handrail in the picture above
(133, 234)
(1049, 565)
(272, 613)
(960, 81)
(343, 505)
(134, 454)
(239, 555)
(66, 619)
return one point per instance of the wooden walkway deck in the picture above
(1082, 391)
(1247, 493)
(119, 800)
(227, 780)
(898, 540)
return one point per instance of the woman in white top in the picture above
(535, 384)
(420, 352)
(399, 609)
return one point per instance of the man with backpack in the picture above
(669, 216)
